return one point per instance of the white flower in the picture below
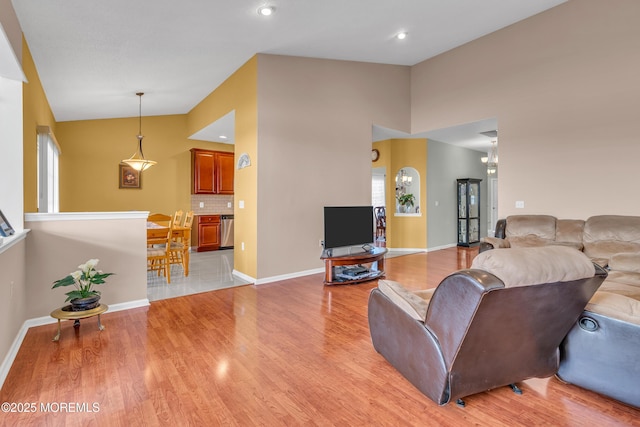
(92, 263)
(89, 265)
(76, 275)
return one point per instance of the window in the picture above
(48, 152)
(377, 187)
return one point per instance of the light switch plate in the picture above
(241, 204)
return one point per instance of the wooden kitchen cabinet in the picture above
(224, 166)
(208, 233)
(211, 172)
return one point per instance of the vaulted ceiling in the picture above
(93, 56)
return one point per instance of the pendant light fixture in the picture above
(137, 160)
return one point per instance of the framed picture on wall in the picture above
(5, 228)
(129, 177)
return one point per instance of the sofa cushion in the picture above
(622, 282)
(625, 261)
(616, 306)
(605, 235)
(530, 266)
(569, 232)
(543, 226)
(528, 241)
(414, 303)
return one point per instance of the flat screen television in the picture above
(348, 226)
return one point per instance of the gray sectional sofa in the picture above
(602, 351)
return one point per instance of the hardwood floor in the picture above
(288, 353)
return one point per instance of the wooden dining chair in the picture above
(177, 218)
(182, 242)
(158, 255)
(188, 220)
(179, 248)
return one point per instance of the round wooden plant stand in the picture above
(65, 313)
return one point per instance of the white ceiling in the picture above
(467, 135)
(94, 55)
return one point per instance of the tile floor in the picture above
(208, 271)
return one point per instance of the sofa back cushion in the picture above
(570, 231)
(530, 230)
(543, 226)
(606, 235)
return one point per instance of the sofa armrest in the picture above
(501, 227)
(495, 242)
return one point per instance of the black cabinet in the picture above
(468, 211)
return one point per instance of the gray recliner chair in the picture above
(496, 324)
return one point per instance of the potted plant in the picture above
(83, 297)
(406, 200)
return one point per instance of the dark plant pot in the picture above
(82, 304)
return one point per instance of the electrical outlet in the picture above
(242, 246)
(228, 204)
(202, 204)
(321, 243)
(520, 204)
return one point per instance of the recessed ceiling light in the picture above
(401, 35)
(223, 136)
(266, 10)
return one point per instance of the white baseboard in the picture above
(289, 276)
(437, 248)
(243, 276)
(46, 320)
(277, 278)
(407, 249)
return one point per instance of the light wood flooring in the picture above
(282, 354)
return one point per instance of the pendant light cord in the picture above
(140, 123)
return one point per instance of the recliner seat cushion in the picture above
(521, 266)
(414, 303)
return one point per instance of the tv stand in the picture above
(375, 255)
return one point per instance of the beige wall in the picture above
(564, 88)
(314, 147)
(58, 245)
(13, 297)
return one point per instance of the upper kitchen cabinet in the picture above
(224, 165)
(211, 172)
